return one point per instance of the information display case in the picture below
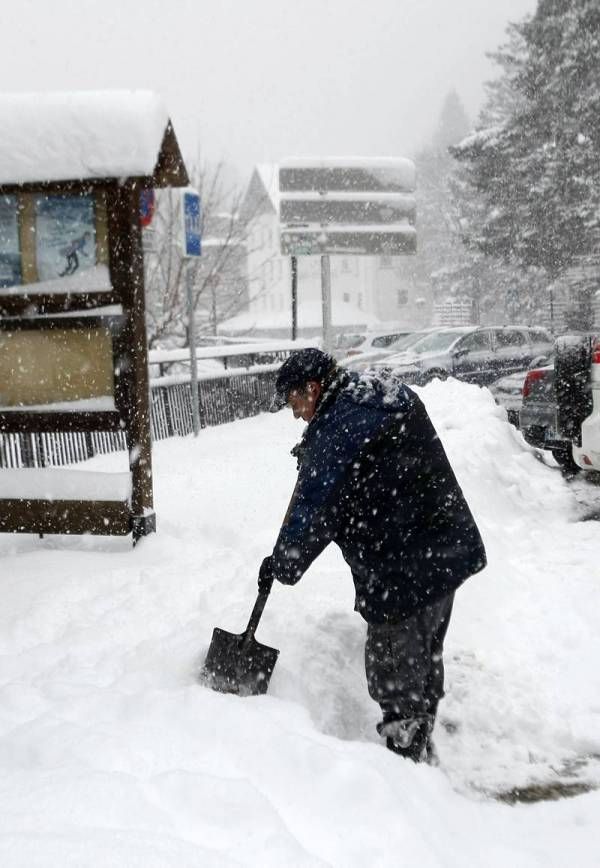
(73, 346)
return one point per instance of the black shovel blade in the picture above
(236, 664)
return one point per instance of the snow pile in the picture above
(111, 754)
(79, 135)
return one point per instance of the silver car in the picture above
(368, 358)
(475, 354)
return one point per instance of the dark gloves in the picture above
(266, 575)
(284, 570)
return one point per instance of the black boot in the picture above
(420, 749)
(416, 750)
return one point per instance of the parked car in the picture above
(345, 342)
(474, 354)
(538, 416)
(351, 344)
(577, 386)
(369, 358)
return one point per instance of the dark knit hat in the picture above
(297, 370)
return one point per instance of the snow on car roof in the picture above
(80, 135)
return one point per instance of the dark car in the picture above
(557, 399)
(538, 417)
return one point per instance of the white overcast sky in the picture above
(257, 80)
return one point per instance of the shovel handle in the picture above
(255, 616)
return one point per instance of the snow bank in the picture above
(111, 754)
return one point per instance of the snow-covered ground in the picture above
(112, 755)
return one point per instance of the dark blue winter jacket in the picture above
(374, 478)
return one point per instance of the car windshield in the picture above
(438, 341)
(407, 341)
(348, 342)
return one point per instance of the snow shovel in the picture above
(236, 662)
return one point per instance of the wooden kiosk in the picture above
(73, 348)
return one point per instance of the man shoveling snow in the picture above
(374, 478)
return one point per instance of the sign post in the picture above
(326, 301)
(191, 247)
(349, 206)
(294, 297)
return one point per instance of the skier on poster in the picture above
(71, 251)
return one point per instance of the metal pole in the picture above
(189, 282)
(294, 297)
(326, 296)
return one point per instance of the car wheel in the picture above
(513, 417)
(564, 459)
(429, 376)
(535, 435)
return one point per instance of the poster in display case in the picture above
(65, 235)
(10, 253)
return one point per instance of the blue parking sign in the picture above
(192, 243)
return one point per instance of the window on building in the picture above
(346, 297)
(359, 300)
(345, 265)
(386, 262)
(402, 298)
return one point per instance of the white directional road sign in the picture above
(347, 206)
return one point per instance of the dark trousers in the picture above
(405, 670)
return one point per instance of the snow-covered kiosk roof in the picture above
(87, 135)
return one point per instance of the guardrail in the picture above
(224, 396)
(233, 356)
